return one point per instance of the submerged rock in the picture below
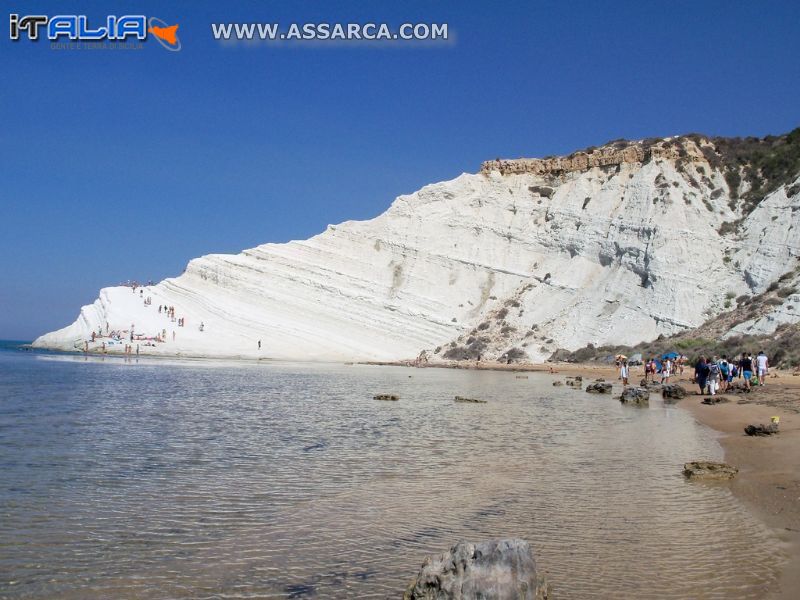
(599, 388)
(496, 569)
(470, 400)
(673, 392)
(392, 397)
(557, 383)
(574, 382)
(761, 429)
(704, 469)
(716, 400)
(635, 396)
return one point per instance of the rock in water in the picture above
(673, 392)
(761, 429)
(391, 397)
(703, 469)
(715, 400)
(469, 400)
(557, 383)
(635, 396)
(599, 388)
(496, 569)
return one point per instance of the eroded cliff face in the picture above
(615, 245)
(614, 154)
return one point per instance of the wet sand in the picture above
(768, 482)
(769, 467)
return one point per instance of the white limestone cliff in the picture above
(523, 255)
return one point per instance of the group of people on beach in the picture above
(711, 374)
(717, 374)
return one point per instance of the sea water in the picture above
(202, 479)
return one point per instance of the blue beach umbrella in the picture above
(670, 355)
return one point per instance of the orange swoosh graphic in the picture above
(168, 34)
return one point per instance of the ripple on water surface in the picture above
(195, 480)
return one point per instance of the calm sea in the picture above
(203, 479)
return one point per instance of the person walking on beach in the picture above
(713, 376)
(762, 367)
(623, 372)
(724, 372)
(259, 344)
(701, 374)
(666, 368)
(746, 369)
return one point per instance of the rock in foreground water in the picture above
(635, 396)
(390, 397)
(469, 400)
(495, 569)
(599, 388)
(704, 469)
(673, 392)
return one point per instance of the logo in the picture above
(76, 28)
(167, 36)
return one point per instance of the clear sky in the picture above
(124, 165)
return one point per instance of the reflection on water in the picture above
(200, 480)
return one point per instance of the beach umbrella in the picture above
(670, 355)
(621, 357)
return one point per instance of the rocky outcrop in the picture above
(614, 154)
(497, 570)
(599, 388)
(762, 429)
(704, 469)
(635, 396)
(673, 392)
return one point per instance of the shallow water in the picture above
(196, 479)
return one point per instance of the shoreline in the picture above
(768, 482)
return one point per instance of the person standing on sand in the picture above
(701, 374)
(724, 372)
(666, 368)
(623, 372)
(713, 376)
(746, 369)
(762, 367)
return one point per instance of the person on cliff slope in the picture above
(701, 374)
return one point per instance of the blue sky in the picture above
(125, 165)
